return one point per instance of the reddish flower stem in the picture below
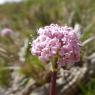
(53, 83)
(53, 80)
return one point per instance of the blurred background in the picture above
(23, 74)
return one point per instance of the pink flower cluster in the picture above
(6, 32)
(57, 40)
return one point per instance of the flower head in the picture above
(57, 40)
(6, 32)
